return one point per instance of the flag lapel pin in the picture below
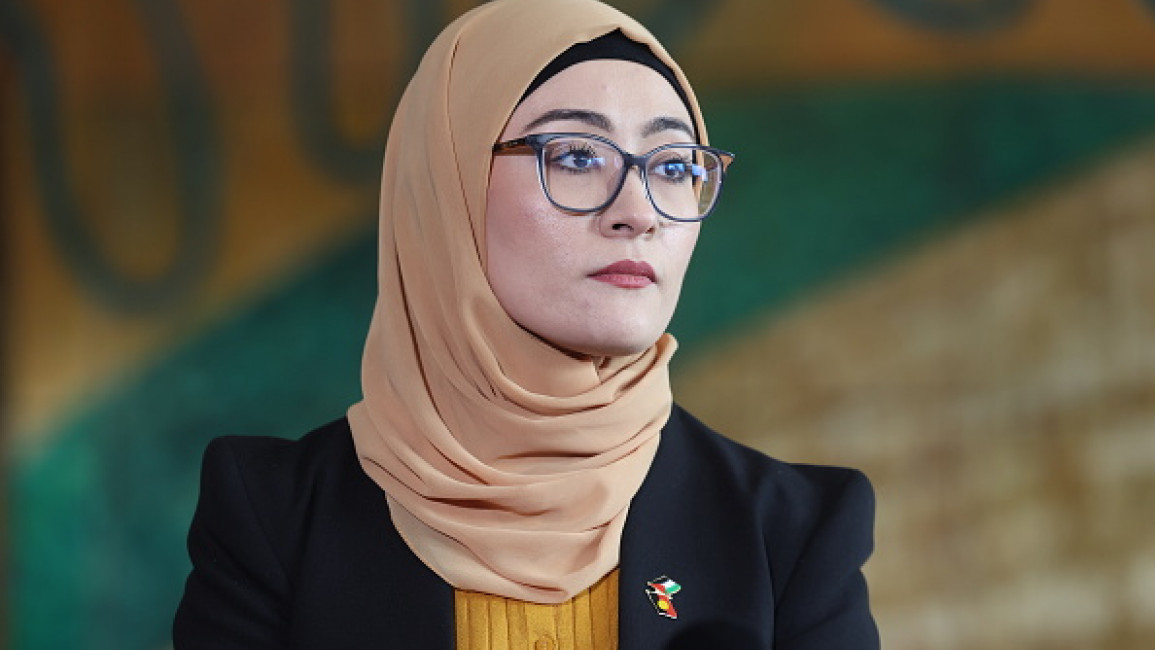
(661, 592)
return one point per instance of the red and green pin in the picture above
(661, 592)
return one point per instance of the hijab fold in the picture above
(508, 464)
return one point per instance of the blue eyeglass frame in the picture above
(536, 142)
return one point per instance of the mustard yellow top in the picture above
(588, 621)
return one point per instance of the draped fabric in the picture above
(508, 464)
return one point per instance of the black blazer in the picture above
(292, 547)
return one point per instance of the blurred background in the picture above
(935, 261)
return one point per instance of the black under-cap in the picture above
(614, 45)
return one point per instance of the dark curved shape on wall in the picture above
(195, 142)
(311, 88)
(958, 16)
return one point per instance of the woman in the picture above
(517, 474)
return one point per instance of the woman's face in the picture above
(548, 267)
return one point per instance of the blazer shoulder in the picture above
(801, 509)
(796, 488)
(281, 478)
(815, 523)
(241, 541)
(327, 443)
(293, 542)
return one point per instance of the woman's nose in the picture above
(631, 214)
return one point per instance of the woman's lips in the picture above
(627, 274)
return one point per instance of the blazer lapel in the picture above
(421, 611)
(690, 524)
(653, 547)
(402, 603)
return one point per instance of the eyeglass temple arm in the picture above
(511, 145)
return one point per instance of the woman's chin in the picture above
(604, 347)
(593, 336)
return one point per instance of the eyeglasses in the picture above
(582, 173)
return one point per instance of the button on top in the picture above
(544, 643)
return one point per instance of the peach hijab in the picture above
(508, 465)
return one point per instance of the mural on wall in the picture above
(934, 244)
(194, 146)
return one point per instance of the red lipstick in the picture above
(627, 274)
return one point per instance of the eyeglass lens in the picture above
(582, 174)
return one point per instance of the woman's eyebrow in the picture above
(659, 124)
(592, 118)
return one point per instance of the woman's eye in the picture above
(578, 160)
(674, 170)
